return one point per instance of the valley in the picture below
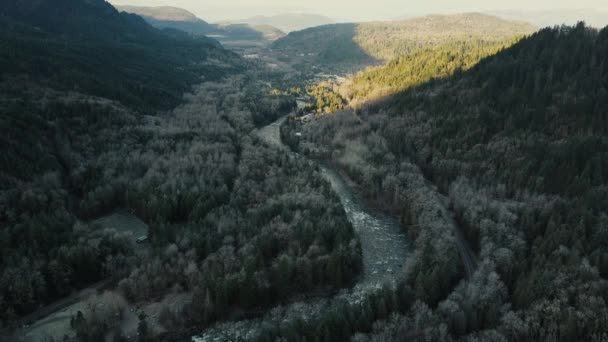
(163, 178)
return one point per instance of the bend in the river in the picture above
(384, 247)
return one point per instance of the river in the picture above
(384, 246)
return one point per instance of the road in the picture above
(25, 323)
(469, 260)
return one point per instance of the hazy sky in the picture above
(214, 10)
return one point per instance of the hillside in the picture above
(88, 46)
(269, 32)
(235, 32)
(91, 19)
(161, 13)
(164, 17)
(171, 17)
(419, 67)
(76, 75)
(285, 22)
(518, 145)
(367, 43)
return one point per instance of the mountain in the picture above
(171, 17)
(161, 13)
(90, 46)
(418, 67)
(71, 49)
(164, 17)
(94, 19)
(367, 43)
(517, 149)
(550, 18)
(285, 22)
(227, 32)
(269, 32)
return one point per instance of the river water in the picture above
(384, 247)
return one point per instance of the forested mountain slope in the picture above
(123, 116)
(365, 43)
(411, 70)
(88, 46)
(518, 143)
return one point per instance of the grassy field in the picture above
(123, 222)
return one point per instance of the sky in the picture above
(358, 10)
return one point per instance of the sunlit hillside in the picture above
(382, 41)
(410, 70)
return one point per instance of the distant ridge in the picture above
(377, 41)
(165, 17)
(550, 18)
(287, 22)
(171, 17)
(161, 13)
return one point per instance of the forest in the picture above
(517, 146)
(414, 69)
(232, 208)
(234, 224)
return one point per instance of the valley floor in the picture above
(385, 249)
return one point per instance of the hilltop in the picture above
(288, 22)
(171, 17)
(168, 13)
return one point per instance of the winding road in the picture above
(469, 260)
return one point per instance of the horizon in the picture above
(338, 11)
